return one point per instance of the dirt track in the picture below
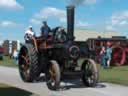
(11, 76)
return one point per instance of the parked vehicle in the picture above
(118, 44)
(1, 52)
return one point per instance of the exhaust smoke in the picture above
(75, 2)
(81, 2)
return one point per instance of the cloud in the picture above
(63, 20)
(82, 24)
(124, 22)
(35, 21)
(109, 28)
(10, 4)
(49, 12)
(55, 13)
(118, 20)
(8, 24)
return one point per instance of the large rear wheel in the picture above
(118, 55)
(90, 73)
(28, 63)
(53, 76)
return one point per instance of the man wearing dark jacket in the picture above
(45, 29)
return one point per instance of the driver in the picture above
(45, 30)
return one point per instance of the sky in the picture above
(99, 15)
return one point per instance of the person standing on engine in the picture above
(45, 30)
(29, 34)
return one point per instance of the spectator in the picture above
(15, 56)
(103, 57)
(108, 54)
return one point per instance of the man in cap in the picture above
(29, 34)
(45, 30)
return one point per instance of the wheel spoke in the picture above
(53, 76)
(25, 64)
(26, 58)
(26, 75)
(52, 73)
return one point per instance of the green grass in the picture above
(7, 62)
(117, 75)
(6, 90)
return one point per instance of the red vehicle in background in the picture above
(1, 52)
(119, 45)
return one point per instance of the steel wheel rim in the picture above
(25, 65)
(89, 73)
(52, 75)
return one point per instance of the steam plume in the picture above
(75, 2)
(80, 2)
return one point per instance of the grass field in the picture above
(7, 62)
(6, 90)
(118, 75)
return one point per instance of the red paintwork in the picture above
(118, 56)
(1, 49)
(119, 50)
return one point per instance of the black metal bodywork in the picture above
(67, 54)
(70, 22)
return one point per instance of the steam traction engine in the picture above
(57, 56)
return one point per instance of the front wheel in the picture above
(53, 76)
(29, 67)
(90, 73)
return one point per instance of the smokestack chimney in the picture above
(70, 22)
